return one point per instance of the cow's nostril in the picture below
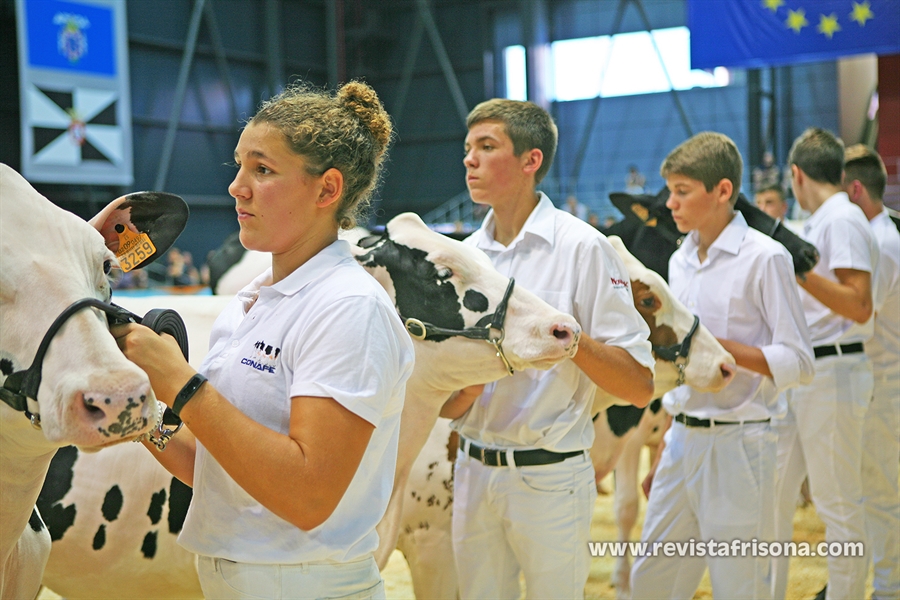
(727, 371)
(92, 410)
(562, 334)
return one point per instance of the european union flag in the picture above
(762, 33)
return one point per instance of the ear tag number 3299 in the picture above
(134, 248)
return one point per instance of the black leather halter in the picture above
(678, 353)
(23, 385)
(483, 330)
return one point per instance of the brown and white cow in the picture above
(115, 537)
(82, 392)
(708, 367)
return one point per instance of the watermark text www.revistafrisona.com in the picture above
(731, 548)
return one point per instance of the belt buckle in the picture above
(483, 460)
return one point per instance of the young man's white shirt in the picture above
(744, 291)
(881, 434)
(884, 347)
(822, 434)
(301, 337)
(841, 233)
(716, 483)
(534, 521)
(572, 267)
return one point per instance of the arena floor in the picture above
(807, 576)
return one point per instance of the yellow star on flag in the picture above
(861, 12)
(796, 20)
(772, 4)
(828, 25)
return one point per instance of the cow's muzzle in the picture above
(22, 386)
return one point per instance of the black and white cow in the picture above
(119, 541)
(426, 539)
(64, 379)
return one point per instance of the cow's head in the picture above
(435, 279)
(89, 395)
(709, 367)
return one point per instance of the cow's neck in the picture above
(24, 459)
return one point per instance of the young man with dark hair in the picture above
(821, 434)
(715, 480)
(864, 181)
(524, 488)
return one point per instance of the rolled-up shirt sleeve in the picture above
(790, 355)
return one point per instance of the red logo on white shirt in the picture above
(619, 283)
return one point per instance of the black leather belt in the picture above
(834, 349)
(523, 458)
(689, 421)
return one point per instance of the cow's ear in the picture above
(147, 223)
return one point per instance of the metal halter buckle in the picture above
(161, 434)
(483, 330)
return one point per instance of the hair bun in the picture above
(360, 98)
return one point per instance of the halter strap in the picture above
(483, 329)
(674, 352)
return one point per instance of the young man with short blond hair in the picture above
(715, 480)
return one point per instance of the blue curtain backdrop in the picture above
(761, 33)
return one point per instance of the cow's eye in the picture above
(648, 302)
(107, 267)
(443, 273)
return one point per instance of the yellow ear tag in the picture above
(640, 211)
(134, 248)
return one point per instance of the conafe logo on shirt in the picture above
(264, 358)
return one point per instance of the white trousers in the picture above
(881, 492)
(717, 484)
(225, 579)
(821, 436)
(535, 520)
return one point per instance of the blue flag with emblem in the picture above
(762, 33)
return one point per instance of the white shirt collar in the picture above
(827, 207)
(309, 271)
(729, 240)
(541, 223)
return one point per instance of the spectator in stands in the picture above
(180, 268)
(767, 174)
(576, 208)
(634, 181)
(864, 181)
(821, 433)
(132, 280)
(771, 201)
